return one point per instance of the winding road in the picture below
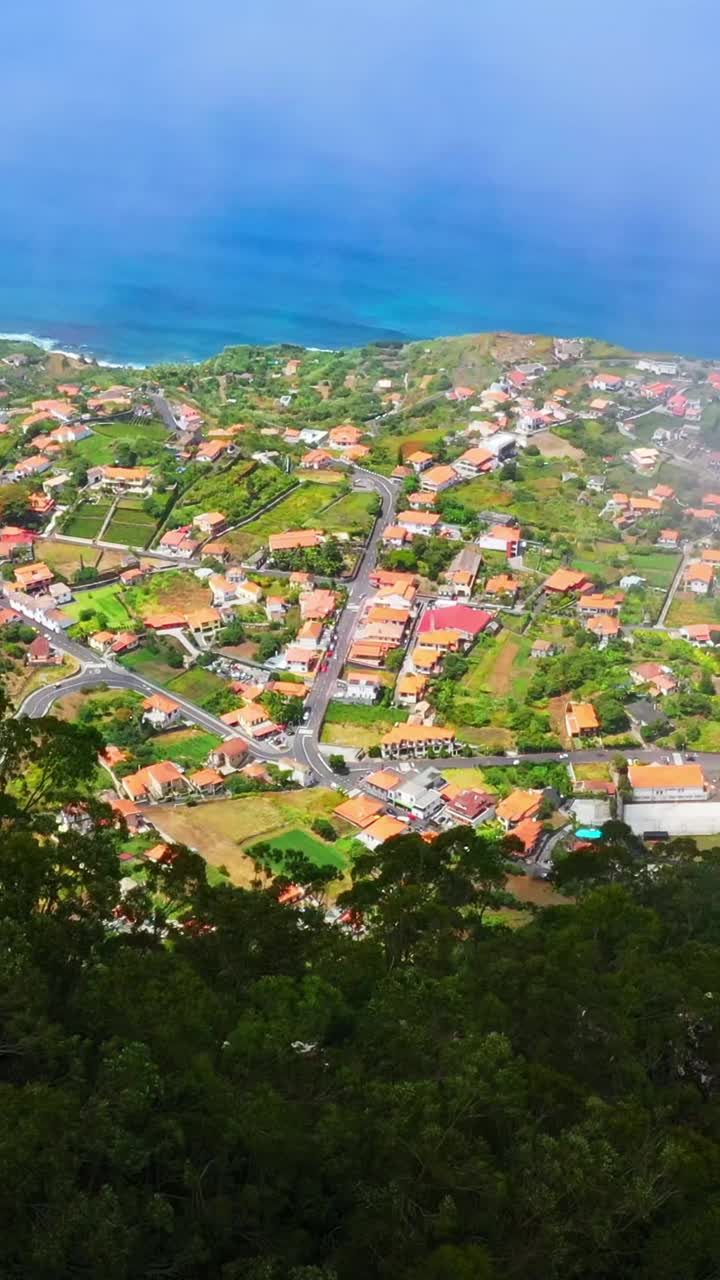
(305, 743)
(97, 669)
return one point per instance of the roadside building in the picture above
(699, 578)
(161, 712)
(518, 806)
(581, 719)
(566, 581)
(384, 828)
(437, 479)
(359, 810)
(363, 686)
(673, 782)
(418, 522)
(416, 740)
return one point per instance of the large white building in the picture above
(652, 782)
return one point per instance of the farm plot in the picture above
(302, 508)
(86, 520)
(130, 526)
(222, 831)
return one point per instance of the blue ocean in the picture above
(181, 290)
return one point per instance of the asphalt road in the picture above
(307, 738)
(305, 743)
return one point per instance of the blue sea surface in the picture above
(182, 289)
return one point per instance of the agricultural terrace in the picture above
(87, 519)
(304, 507)
(237, 491)
(130, 525)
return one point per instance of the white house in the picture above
(652, 782)
(161, 712)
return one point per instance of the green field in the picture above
(540, 501)
(223, 831)
(301, 509)
(86, 520)
(197, 684)
(347, 725)
(175, 590)
(150, 431)
(105, 600)
(149, 664)
(353, 511)
(612, 560)
(318, 851)
(100, 448)
(187, 747)
(687, 608)
(130, 525)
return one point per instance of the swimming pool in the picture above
(588, 833)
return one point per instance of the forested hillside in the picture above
(215, 1084)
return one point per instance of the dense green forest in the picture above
(214, 1084)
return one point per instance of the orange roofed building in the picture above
(361, 810)
(563, 581)
(672, 782)
(518, 806)
(580, 719)
(296, 539)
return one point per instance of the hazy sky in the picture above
(586, 127)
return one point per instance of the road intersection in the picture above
(97, 669)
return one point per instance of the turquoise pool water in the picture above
(588, 833)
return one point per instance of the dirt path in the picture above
(500, 680)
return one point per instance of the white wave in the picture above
(47, 344)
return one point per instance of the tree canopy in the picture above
(203, 1080)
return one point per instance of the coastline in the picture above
(50, 345)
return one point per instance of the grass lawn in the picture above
(500, 665)
(301, 509)
(658, 567)
(197, 684)
(321, 852)
(470, 778)
(97, 450)
(222, 830)
(106, 600)
(150, 431)
(688, 608)
(350, 512)
(188, 747)
(593, 772)
(358, 727)
(149, 664)
(130, 526)
(176, 590)
(87, 520)
(491, 738)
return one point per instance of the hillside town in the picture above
(470, 582)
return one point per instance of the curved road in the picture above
(305, 745)
(100, 670)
